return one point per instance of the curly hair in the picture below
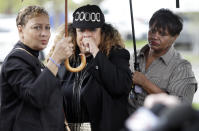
(110, 38)
(29, 12)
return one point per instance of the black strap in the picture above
(41, 64)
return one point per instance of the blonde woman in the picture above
(31, 98)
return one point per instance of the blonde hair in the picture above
(29, 12)
(110, 38)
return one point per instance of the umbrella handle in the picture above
(83, 57)
(77, 69)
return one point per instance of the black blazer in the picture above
(104, 91)
(31, 97)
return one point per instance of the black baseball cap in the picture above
(88, 16)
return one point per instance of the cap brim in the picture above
(86, 25)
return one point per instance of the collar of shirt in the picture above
(22, 45)
(165, 58)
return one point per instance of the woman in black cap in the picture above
(97, 94)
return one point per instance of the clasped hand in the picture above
(138, 78)
(63, 49)
(89, 45)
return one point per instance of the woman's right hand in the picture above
(63, 50)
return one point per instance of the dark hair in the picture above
(166, 20)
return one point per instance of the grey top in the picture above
(170, 72)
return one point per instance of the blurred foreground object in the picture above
(162, 98)
(147, 117)
(162, 112)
